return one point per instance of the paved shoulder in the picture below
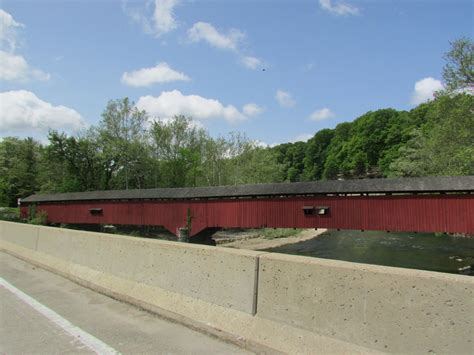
(41, 312)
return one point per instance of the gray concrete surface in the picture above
(303, 305)
(225, 277)
(389, 309)
(25, 331)
(24, 235)
(103, 262)
(123, 327)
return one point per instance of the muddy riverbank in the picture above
(255, 241)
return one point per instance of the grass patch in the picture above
(10, 214)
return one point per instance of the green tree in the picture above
(316, 154)
(237, 151)
(444, 145)
(177, 145)
(19, 169)
(290, 157)
(71, 163)
(333, 166)
(122, 137)
(458, 72)
(258, 165)
(412, 158)
(215, 162)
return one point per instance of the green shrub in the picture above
(40, 218)
(10, 214)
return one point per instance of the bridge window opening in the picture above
(312, 210)
(322, 210)
(308, 210)
(96, 211)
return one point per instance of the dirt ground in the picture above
(256, 242)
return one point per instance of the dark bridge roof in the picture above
(402, 185)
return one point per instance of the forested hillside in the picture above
(126, 151)
(435, 138)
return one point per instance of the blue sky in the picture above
(277, 70)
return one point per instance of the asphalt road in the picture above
(43, 313)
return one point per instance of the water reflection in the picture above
(417, 251)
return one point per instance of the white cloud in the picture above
(23, 112)
(8, 28)
(161, 73)
(304, 137)
(170, 103)
(163, 17)
(425, 89)
(340, 8)
(251, 62)
(321, 115)
(252, 109)
(15, 68)
(260, 144)
(284, 99)
(162, 20)
(203, 31)
(230, 41)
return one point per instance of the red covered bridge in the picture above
(432, 204)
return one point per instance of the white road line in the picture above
(85, 338)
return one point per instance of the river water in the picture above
(416, 251)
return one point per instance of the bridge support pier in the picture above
(183, 235)
(204, 237)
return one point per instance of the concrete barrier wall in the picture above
(24, 235)
(390, 309)
(302, 304)
(223, 277)
(226, 277)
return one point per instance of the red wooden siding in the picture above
(410, 213)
